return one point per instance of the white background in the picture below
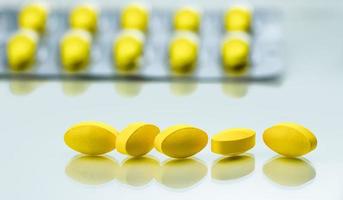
(34, 117)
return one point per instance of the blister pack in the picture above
(141, 43)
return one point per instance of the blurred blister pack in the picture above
(265, 58)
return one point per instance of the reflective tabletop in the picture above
(34, 116)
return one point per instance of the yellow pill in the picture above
(75, 50)
(235, 51)
(128, 50)
(84, 17)
(135, 16)
(238, 18)
(187, 19)
(183, 53)
(137, 139)
(290, 139)
(233, 141)
(33, 16)
(22, 49)
(181, 141)
(91, 138)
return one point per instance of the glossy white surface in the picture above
(34, 116)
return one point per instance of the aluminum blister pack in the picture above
(265, 56)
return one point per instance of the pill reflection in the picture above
(128, 88)
(234, 167)
(235, 90)
(138, 171)
(92, 170)
(183, 173)
(74, 88)
(289, 171)
(183, 88)
(23, 87)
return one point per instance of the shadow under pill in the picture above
(138, 171)
(238, 72)
(23, 87)
(233, 167)
(128, 88)
(92, 170)
(181, 173)
(235, 90)
(183, 88)
(75, 88)
(291, 172)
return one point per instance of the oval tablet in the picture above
(22, 50)
(233, 141)
(181, 141)
(183, 52)
(187, 19)
(238, 18)
(290, 139)
(33, 16)
(84, 17)
(75, 50)
(137, 139)
(135, 16)
(92, 138)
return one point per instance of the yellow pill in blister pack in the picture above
(84, 17)
(91, 138)
(75, 50)
(235, 51)
(181, 141)
(137, 139)
(187, 19)
(135, 16)
(290, 139)
(128, 50)
(183, 52)
(233, 141)
(238, 18)
(33, 16)
(22, 49)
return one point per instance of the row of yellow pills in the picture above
(75, 46)
(134, 16)
(127, 49)
(235, 50)
(182, 141)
